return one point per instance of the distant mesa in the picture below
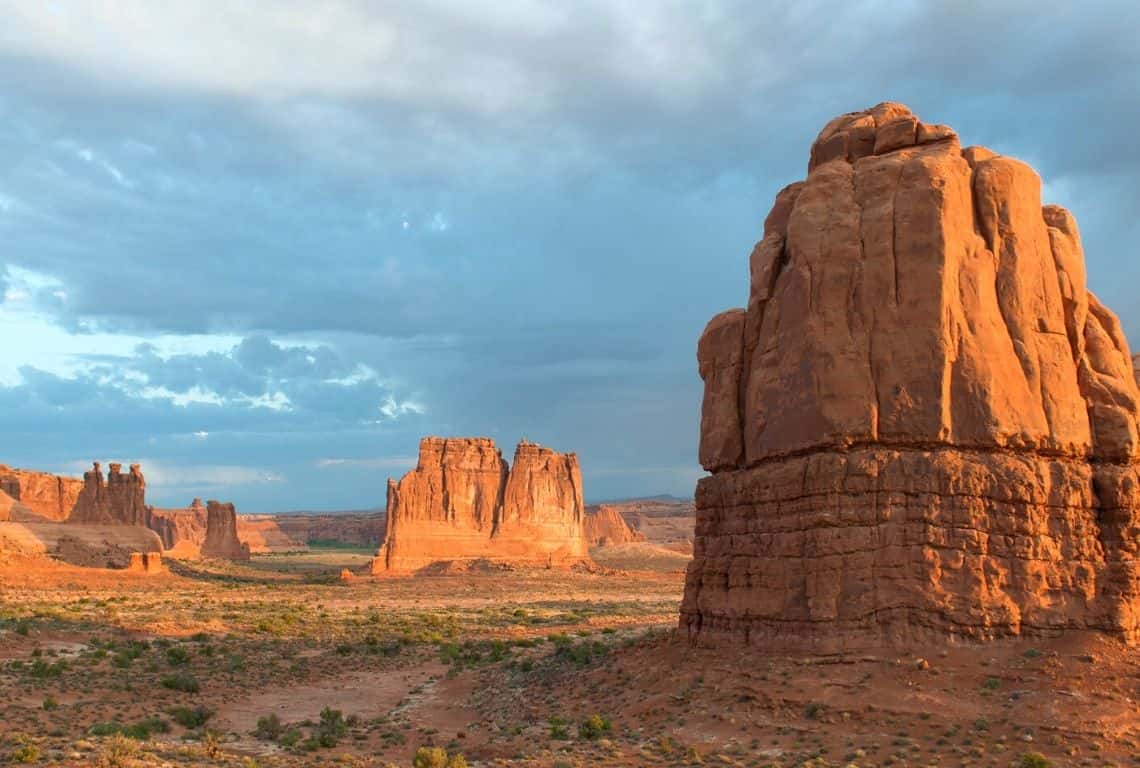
(38, 496)
(464, 503)
(923, 424)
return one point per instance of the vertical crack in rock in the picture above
(991, 489)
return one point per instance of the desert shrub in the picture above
(289, 738)
(1034, 760)
(50, 704)
(24, 754)
(191, 717)
(42, 670)
(437, 757)
(813, 711)
(991, 684)
(559, 729)
(269, 728)
(183, 681)
(331, 727)
(177, 656)
(143, 729)
(118, 752)
(594, 727)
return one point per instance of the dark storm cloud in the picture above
(519, 220)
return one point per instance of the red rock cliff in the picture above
(604, 525)
(182, 530)
(120, 500)
(463, 503)
(221, 533)
(923, 424)
(39, 494)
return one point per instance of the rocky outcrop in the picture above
(463, 502)
(41, 496)
(182, 530)
(923, 424)
(603, 525)
(221, 533)
(149, 563)
(120, 500)
(291, 531)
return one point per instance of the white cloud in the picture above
(393, 409)
(388, 462)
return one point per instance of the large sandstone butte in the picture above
(463, 503)
(604, 526)
(221, 533)
(118, 500)
(40, 495)
(923, 425)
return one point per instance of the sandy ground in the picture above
(506, 668)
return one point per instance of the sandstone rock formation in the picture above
(121, 500)
(923, 424)
(463, 502)
(41, 496)
(182, 530)
(221, 533)
(145, 562)
(292, 531)
(603, 525)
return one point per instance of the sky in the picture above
(263, 248)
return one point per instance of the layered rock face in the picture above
(463, 502)
(603, 525)
(221, 533)
(923, 424)
(40, 495)
(120, 500)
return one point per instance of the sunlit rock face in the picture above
(118, 499)
(923, 424)
(463, 502)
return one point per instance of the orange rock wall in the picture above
(923, 421)
(221, 533)
(46, 496)
(463, 503)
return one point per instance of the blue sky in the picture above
(263, 248)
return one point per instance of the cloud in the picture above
(393, 462)
(465, 218)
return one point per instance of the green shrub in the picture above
(191, 717)
(269, 728)
(437, 757)
(1034, 760)
(177, 656)
(183, 681)
(559, 729)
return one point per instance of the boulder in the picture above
(923, 424)
(464, 503)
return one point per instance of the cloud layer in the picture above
(289, 239)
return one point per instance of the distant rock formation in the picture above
(291, 531)
(221, 533)
(923, 425)
(41, 496)
(182, 530)
(603, 525)
(463, 502)
(121, 500)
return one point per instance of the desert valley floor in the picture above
(281, 662)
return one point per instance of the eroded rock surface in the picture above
(118, 499)
(463, 502)
(221, 533)
(39, 496)
(923, 423)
